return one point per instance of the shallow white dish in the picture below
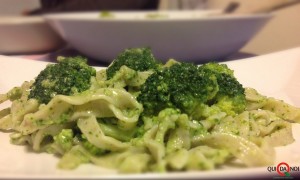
(184, 35)
(275, 75)
(27, 34)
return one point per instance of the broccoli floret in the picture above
(187, 87)
(218, 68)
(69, 76)
(138, 59)
(126, 77)
(231, 95)
(14, 93)
(181, 86)
(64, 139)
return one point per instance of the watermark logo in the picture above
(284, 170)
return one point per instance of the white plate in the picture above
(274, 75)
(202, 35)
(27, 34)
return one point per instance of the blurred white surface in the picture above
(27, 34)
(183, 35)
(281, 33)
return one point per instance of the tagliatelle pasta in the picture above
(102, 126)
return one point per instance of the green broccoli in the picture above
(231, 95)
(64, 139)
(14, 93)
(138, 59)
(181, 86)
(69, 76)
(187, 87)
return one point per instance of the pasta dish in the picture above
(142, 115)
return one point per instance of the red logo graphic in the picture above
(283, 169)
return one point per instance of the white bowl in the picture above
(27, 34)
(183, 35)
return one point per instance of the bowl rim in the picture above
(10, 20)
(202, 15)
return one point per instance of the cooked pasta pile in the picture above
(102, 125)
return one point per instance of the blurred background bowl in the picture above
(197, 36)
(27, 34)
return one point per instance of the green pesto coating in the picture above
(65, 139)
(91, 148)
(138, 59)
(69, 76)
(186, 86)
